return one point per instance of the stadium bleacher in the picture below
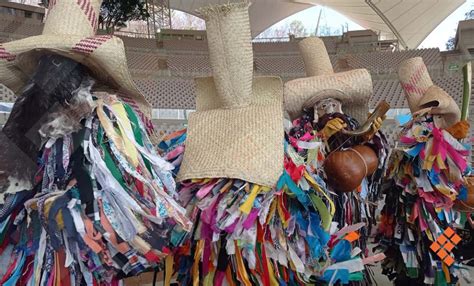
(387, 62)
(171, 92)
(164, 69)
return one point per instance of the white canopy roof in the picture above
(410, 21)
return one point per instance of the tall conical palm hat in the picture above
(70, 31)
(422, 94)
(353, 88)
(237, 129)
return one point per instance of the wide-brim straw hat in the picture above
(423, 95)
(69, 31)
(237, 129)
(353, 87)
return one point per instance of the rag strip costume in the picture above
(262, 215)
(314, 103)
(101, 204)
(426, 185)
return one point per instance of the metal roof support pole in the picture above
(387, 22)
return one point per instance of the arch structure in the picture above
(408, 21)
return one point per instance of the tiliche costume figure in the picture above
(85, 199)
(427, 190)
(262, 214)
(330, 107)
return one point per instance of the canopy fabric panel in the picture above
(263, 13)
(410, 21)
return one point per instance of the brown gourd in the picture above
(345, 169)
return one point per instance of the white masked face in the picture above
(328, 106)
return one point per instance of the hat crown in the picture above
(415, 81)
(72, 17)
(315, 57)
(230, 52)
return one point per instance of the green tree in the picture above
(114, 14)
(297, 29)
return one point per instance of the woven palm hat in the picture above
(353, 88)
(237, 129)
(69, 31)
(423, 95)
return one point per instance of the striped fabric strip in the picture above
(90, 44)
(87, 8)
(5, 55)
(146, 121)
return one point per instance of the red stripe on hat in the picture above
(87, 9)
(83, 50)
(87, 46)
(83, 6)
(90, 44)
(94, 17)
(412, 84)
(91, 16)
(5, 55)
(416, 76)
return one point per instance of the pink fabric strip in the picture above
(205, 190)
(248, 223)
(175, 153)
(373, 259)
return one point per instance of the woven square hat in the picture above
(69, 31)
(353, 88)
(237, 129)
(423, 95)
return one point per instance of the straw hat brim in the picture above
(103, 55)
(355, 88)
(241, 143)
(438, 102)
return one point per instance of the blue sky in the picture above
(437, 38)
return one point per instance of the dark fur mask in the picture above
(51, 87)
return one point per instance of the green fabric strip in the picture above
(136, 131)
(109, 161)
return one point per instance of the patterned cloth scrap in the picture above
(359, 206)
(247, 234)
(103, 206)
(425, 178)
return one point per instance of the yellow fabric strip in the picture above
(446, 273)
(241, 271)
(169, 269)
(246, 207)
(109, 127)
(314, 184)
(273, 207)
(197, 257)
(273, 280)
(126, 128)
(281, 213)
(57, 270)
(209, 279)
